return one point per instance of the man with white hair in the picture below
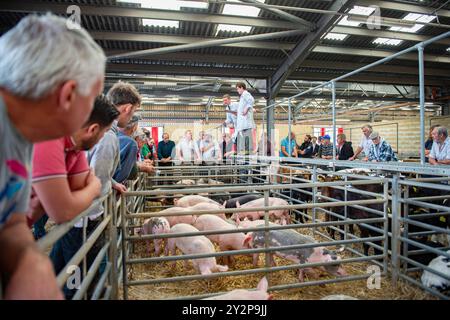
(49, 78)
(365, 143)
(440, 151)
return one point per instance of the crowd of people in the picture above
(372, 146)
(65, 144)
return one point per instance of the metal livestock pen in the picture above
(267, 189)
(122, 217)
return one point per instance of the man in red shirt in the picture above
(60, 167)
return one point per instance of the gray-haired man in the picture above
(47, 91)
(365, 143)
(440, 151)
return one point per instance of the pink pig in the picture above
(156, 225)
(282, 215)
(194, 245)
(229, 241)
(173, 220)
(203, 206)
(245, 224)
(192, 200)
(241, 294)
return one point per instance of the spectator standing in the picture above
(380, 150)
(231, 109)
(344, 149)
(187, 150)
(365, 144)
(315, 146)
(245, 122)
(440, 151)
(306, 148)
(128, 150)
(429, 142)
(289, 150)
(60, 167)
(166, 150)
(326, 148)
(226, 147)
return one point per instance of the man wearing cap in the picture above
(365, 143)
(380, 150)
(326, 148)
(440, 151)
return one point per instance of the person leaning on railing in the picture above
(429, 142)
(326, 148)
(65, 186)
(365, 144)
(380, 150)
(440, 151)
(49, 78)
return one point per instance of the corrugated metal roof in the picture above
(207, 30)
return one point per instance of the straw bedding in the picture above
(357, 289)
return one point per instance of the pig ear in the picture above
(270, 297)
(238, 205)
(248, 238)
(263, 285)
(224, 203)
(238, 221)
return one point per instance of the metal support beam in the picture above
(181, 70)
(144, 13)
(267, 45)
(270, 116)
(405, 7)
(422, 104)
(304, 47)
(265, 61)
(370, 78)
(204, 93)
(282, 14)
(362, 31)
(207, 43)
(378, 53)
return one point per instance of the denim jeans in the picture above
(39, 227)
(66, 247)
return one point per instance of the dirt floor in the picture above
(357, 289)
